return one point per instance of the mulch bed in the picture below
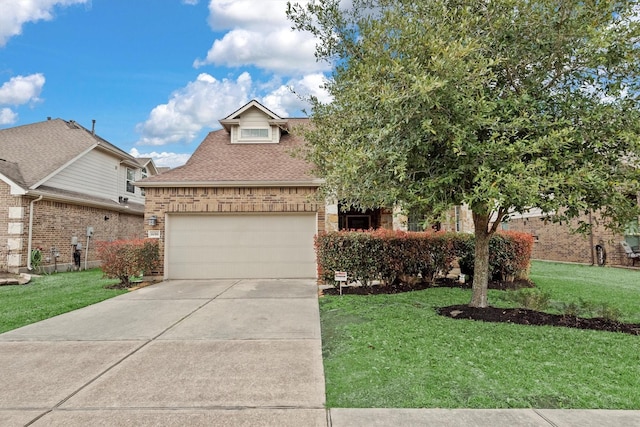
(519, 316)
(523, 316)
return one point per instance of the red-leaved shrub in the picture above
(412, 257)
(124, 259)
(384, 255)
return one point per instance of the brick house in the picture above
(245, 205)
(555, 242)
(59, 182)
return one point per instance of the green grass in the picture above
(50, 295)
(600, 285)
(395, 351)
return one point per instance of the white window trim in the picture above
(253, 139)
(145, 174)
(128, 181)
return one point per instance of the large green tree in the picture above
(503, 105)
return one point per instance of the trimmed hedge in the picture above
(411, 257)
(509, 255)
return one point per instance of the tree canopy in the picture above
(503, 105)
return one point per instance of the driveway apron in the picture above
(223, 352)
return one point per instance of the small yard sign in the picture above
(341, 276)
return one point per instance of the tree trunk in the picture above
(481, 264)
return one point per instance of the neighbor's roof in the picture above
(219, 162)
(37, 150)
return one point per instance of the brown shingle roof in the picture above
(217, 161)
(11, 171)
(42, 148)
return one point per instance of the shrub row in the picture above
(124, 259)
(410, 257)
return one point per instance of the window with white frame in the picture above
(131, 176)
(144, 175)
(254, 133)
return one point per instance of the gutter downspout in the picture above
(29, 267)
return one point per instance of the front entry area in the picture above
(350, 218)
(239, 246)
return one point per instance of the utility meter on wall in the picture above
(89, 231)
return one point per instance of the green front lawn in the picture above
(395, 351)
(50, 295)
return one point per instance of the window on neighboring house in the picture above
(458, 219)
(144, 175)
(131, 176)
(254, 133)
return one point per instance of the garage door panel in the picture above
(241, 246)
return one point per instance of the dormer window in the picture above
(254, 124)
(253, 133)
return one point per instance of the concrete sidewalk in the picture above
(205, 353)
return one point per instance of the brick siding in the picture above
(160, 201)
(555, 242)
(55, 223)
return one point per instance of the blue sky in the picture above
(155, 75)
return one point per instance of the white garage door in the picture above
(240, 246)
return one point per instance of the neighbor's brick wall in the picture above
(160, 201)
(555, 242)
(55, 223)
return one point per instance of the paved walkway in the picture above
(204, 353)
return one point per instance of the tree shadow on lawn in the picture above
(519, 316)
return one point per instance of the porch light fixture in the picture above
(153, 220)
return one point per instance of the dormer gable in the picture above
(254, 124)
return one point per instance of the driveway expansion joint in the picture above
(544, 418)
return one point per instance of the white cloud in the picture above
(7, 116)
(260, 35)
(199, 104)
(281, 51)
(256, 34)
(22, 89)
(16, 13)
(257, 15)
(290, 98)
(164, 159)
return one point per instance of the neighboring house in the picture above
(555, 242)
(245, 205)
(60, 182)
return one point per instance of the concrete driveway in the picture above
(206, 353)
(224, 352)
